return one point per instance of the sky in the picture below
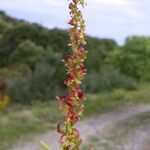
(114, 19)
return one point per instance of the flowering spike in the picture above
(69, 135)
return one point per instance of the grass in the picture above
(21, 122)
(108, 101)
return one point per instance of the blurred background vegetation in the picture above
(32, 75)
(31, 68)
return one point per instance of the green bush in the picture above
(27, 52)
(108, 80)
(39, 86)
(33, 54)
(3, 26)
(133, 59)
(43, 86)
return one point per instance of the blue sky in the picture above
(115, 19)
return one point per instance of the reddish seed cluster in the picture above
(71, 103)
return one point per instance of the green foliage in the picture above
(98, 51)
(36, 87)
(23, 122)
(107, 101)
(7, 73)
(26, 52)
(43, 83)
(133, 59)
(3, 26)
(44, 146)
(31, 56)
(108, 80)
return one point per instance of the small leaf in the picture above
(44, 146)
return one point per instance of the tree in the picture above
(133, 58)
(26, 52)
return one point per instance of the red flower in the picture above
(79, 93)
(70, 78)
(75, 132)
(82, 69)
(61, 140)
(81, 50)
(66, 99)
(72, 116)
(71, 57)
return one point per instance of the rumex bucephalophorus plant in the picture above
(71, 103)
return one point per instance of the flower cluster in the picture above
(71, 103)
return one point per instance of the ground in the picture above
(124, 129)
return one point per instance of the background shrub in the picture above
(108, 80)
(30, 58)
